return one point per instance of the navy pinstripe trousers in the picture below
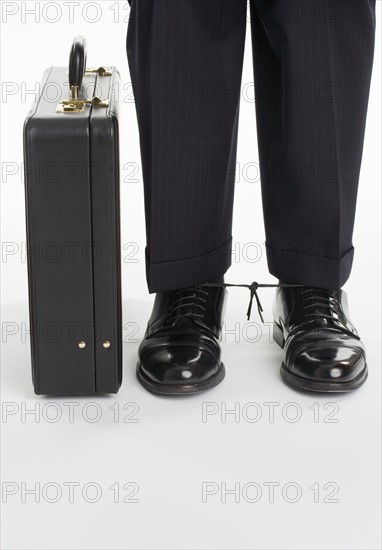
(312, 67)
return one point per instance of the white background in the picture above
(170, 452)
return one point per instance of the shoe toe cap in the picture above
(179, 364)
(332, 364)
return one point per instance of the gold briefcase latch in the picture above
(78, 105)
(101, 71)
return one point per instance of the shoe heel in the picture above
(278, 335)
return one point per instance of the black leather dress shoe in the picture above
(180, 352)
(323, 351)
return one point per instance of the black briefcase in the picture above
(71, 167)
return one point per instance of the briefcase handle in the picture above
(77, 64)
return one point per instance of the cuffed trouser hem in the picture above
(298, 267)
(176, 274)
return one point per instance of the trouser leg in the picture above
(185, 59)
(312, 63)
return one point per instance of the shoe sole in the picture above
(177, 389)
(309, 385)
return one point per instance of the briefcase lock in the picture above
(101, 71)
(78, 105)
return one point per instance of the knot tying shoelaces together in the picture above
(253, 287)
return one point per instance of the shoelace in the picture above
(323, 304)
(309, 294)
(253, 287)
(193, 298)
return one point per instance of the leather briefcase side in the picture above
(71, 172)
